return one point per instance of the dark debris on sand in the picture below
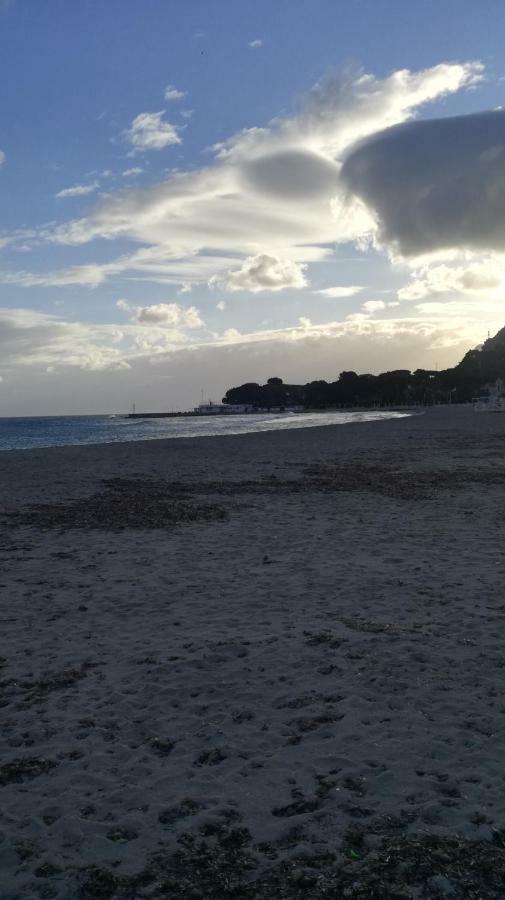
(18, 770)
(221, 863)
(145, 503)
(124, 503)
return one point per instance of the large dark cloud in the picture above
(435, 184)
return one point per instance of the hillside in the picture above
(459, 384)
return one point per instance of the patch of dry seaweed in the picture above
(222, 863)
(18, 770)
(36, 690)
(145, 503)
(389, 479)
(124, 503)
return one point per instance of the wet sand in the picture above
(266, 665)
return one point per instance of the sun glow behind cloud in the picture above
(269, 207)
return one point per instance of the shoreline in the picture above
(277, 654)
(260, 425)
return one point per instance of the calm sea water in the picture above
(58, 431)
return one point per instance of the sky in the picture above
(195, 195)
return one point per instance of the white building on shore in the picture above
(227, 409)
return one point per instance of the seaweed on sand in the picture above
(147, 503)
(222, 863)
(18, 770)
(123, 503)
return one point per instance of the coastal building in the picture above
(227, 409)
(219, 409)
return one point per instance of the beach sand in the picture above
(256, 666)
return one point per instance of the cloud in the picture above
(96, 367)
(274, 192)
(430, 281)
(90, 275)
(350, 105)
(130, 173)
(255, 44)
(434, 185)
(2, 158)
(340, 291)
(180, 375)
(79, 190)
(371, 306)
(31, 338)
(292, 175)
(149, 131)
(172, 93)
(168, 315)
(266, 273)
(221, 306)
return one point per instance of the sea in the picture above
(61, 431)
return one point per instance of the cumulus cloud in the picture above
(266, 273)
(149, 131)
(173, 93)
(78, 190)
(371, 306)
(435, 184)
(255, 44)
(340, 290)
(168, 315)
(434, 280)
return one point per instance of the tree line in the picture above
(478, 368)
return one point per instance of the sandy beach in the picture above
(256, 666)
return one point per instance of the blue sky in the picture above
(204, 262)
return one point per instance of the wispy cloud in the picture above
(255, 44)
(29, 338)
(272, 200)
(131, 173)
(79, 190)
(2, 158)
